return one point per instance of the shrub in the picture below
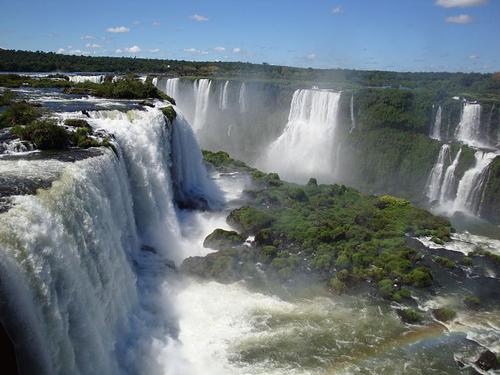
(6, 98)
(221, 238)
(77, 123)
(444, 314)
(337, 285)
(472, 302)
(19, 113)
(409, 316)
(420, 277)
(46, 135)
(444, 262)
(249, 219)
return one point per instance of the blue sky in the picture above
(403, 35)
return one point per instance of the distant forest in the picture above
(449, 83)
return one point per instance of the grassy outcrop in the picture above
(330, 232)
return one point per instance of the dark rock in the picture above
(487, 361)
(149, 249)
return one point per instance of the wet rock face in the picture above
(488, 361)
(7, 351)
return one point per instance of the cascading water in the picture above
(81, 79)
(306, 146)
(436, 175)
(243, 98)
(71, 260)
(201, 95)
(353, 119)
(449, 180)
(470, 188)
(223, 98)
(435, 132)
(468, 130)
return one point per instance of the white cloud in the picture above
(473, 57)
(156, 23)
(61, 50)
(133, 49)
(136, 22)
(118, 50)
(118, 29)
(92, 45)
(460, 3)
(219, 49)
(460, 19)
(198, 18)
(195, 51)
(154, 50)
(311, 56)
(337, 10)
(87, 37)
(236, 50)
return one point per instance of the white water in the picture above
(468, 130)
(436, 127)
(223, 98)
(70, 255)
(449, 181)
(172, 87)
(242, 100)
(470, 188)
(436, 175)
(81, 79)
(201, 95)
(306, 147)
(353, 119)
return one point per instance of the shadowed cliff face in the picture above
(7, 352)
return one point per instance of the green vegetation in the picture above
(45, 135)
(169, 113)
(444, 262)
(332, 232)
(77, 123)
(19, 113)
(443, 84)
(444, 314)
(221, 238)
(472, 302)
(409, 316)
(126, 88)
(6, 98)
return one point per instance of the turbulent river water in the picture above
(89, 266)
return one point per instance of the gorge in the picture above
(107, 265)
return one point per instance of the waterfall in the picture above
(468, 130)
(436, 176)
(75, 295)
(449, 180)
(67, 281)
(436, 128)
(470, 187)
(353, 119)
(81, 79)
(169, 86)
(201, 94)
(306, 146)
(243, 98)
(223, 99)
(192, 185)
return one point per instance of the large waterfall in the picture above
(71, 258)
(223, 98)
(81, 79)
(449, 180)
(306, 146)
(470, 188)
(469, 128)
(435, 132)
(436, 175)
(202, 95)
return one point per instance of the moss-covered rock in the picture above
(220, 239)
(444, 314)
(169, 113)
(77, 123)
(409, 316)
(45, 135)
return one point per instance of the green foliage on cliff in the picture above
(169, 113)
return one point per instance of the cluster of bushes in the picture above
(127, 88)
(6, 97)
(19, 113)
(15, 80)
